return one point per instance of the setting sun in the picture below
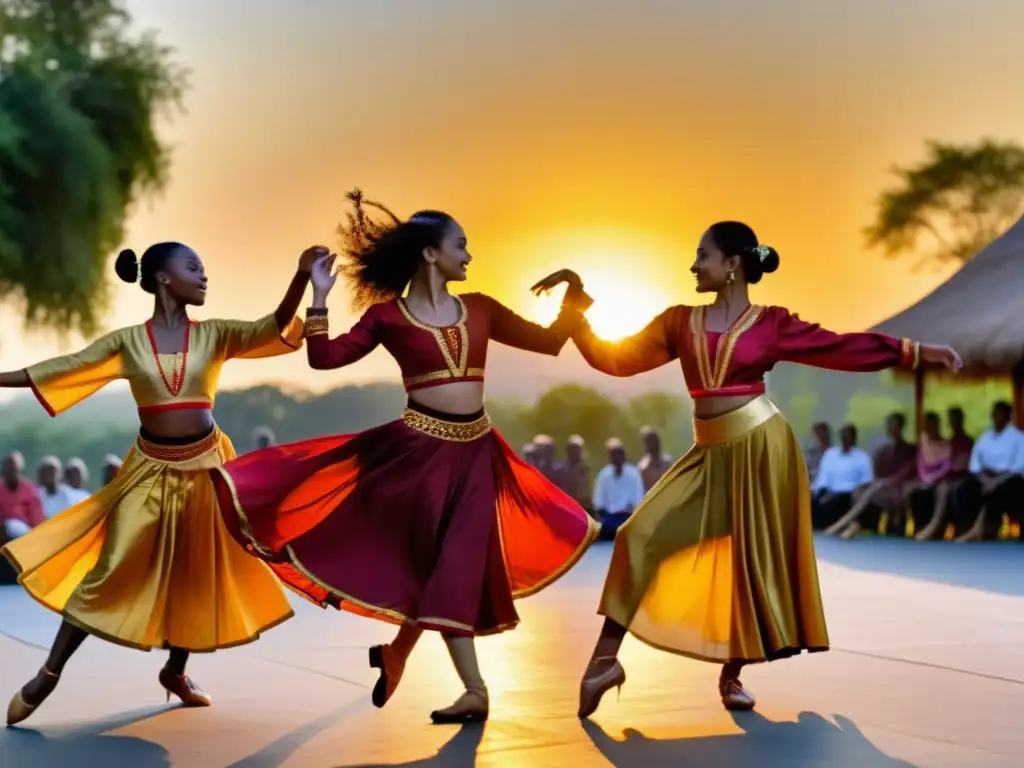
(622, 304)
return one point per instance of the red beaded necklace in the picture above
(177, 380)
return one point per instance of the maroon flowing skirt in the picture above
(430, 519)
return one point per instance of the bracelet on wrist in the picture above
(315, 326)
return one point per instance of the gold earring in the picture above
(730, 277)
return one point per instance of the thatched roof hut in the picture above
(979, 311)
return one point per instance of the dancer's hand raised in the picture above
(310, 255)
(556, 278)
(323, 275)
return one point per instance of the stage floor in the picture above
(927, 669)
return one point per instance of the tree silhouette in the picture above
(79, 100)
(952, 204)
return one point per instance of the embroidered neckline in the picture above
(177, 381)
(451, 340)
(713, 377)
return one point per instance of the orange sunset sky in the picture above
(602, 136)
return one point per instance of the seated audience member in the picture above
(962, 443)
(927, 497)
(822, 442)
(529, 454)
(20, 507)
(263, 437)
(618, 490)
(894, 465)
(55, 496)
(995, 485)
(545, 455)
(573, 475)
(655, 462)
(111, 465)
(843, 469)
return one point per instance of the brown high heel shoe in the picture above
(471, 707)
(19, 709)
(391, 666)
(594, 686)
(191, 695)
(735, 697)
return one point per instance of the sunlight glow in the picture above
(623, 302)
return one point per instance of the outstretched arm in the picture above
(514, 331)
(62, 381)
(810, 344)
(15, 379)
(651, 348)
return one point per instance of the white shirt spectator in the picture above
(78, 495)
(998, 451)
(616, 493)
(65, 496)
(843, 472)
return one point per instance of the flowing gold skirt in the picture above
(717, 562)
(147, 562)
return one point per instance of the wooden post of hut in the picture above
(1017, 376)
(918, 402)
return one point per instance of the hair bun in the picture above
(127, 266)
(767, 258)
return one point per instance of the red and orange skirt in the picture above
(430, 519)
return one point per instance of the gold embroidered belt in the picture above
(175, 454)
(719, 430)
(453, 431)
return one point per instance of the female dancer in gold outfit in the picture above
(146, 561)
(718, 562)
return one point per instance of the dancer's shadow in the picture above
(83, 746)
(811, 741)
(458, 752)
(279, 751)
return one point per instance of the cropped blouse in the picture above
(734, 362)
(429, 356)
(160, 382)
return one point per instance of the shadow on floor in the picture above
(811, 741)
(458, 752)
(991, 566)
(84, 746)
(278, 751)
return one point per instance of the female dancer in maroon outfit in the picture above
(430, 521)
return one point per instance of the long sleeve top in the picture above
(429, 356)
(131, 353)
(735, 362)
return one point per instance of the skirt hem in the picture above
(787, 652)
(98, 633)
(396, 617)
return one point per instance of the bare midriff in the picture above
(178, 423)
(460, 398)
(709, 407)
